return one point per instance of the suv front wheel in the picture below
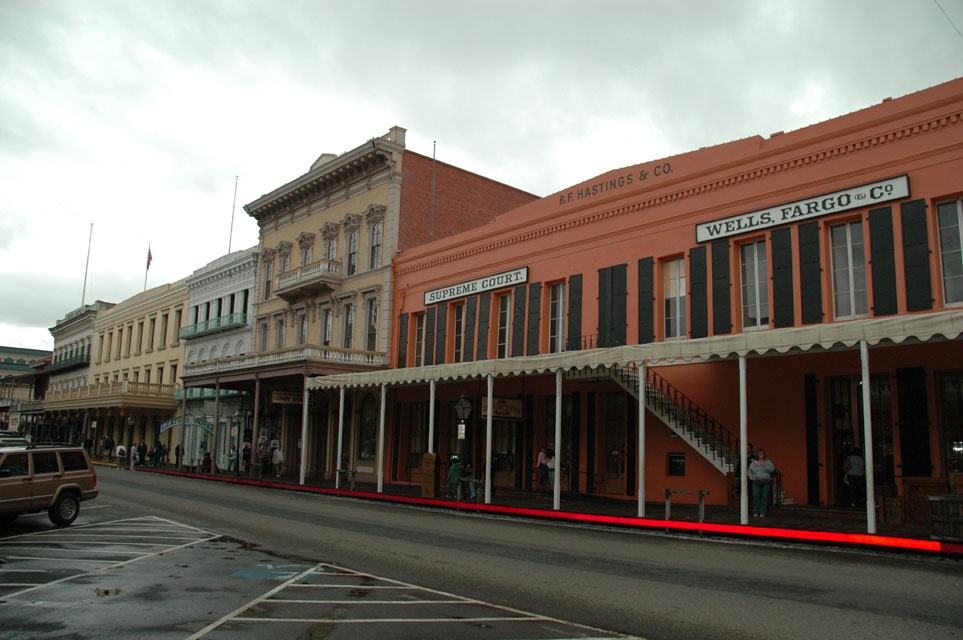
(65, 510)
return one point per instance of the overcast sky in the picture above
(136, 116)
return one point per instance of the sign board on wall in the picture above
(286, 397)
(503, 408)
(822, 205)
(478, 285)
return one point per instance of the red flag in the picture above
(149, 257)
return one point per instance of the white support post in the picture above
(868, 442)
(488, 443)
(381, 440)
(304, 433)
(431, 417)
(641, 440)
(743, 438)
(337, 462)
(559, 449)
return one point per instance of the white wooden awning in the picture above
(908, 329)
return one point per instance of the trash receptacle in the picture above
(946, 516)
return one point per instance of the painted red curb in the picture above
(864, 540)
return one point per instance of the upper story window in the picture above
(268, 278)
(279, 334)
(458, 312)
(849, 269)
(307, 255)
(419, 339)
(673, 287)
(302, 329)
(556, 318)
(371, 324)
(504, 326)
(263, 332)
(285, 263)
(348, 338)
(754, 271)
(951, 242)
(352, 258)
(326, 327)
(375, 260)
(331, 249)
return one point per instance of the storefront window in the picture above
(951, 256)
(367, 436)
(755, 285)
(849, 270)
(951, 415)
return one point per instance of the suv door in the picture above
(16, 490)
(46, 477)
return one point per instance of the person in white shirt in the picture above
(855, 470)
(278, 461)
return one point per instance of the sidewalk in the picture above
(790, 523)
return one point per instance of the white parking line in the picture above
(326, 570)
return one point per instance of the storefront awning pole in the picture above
(431, 416)
(304, 431)
(743, 438)
(256, 440)
(559, 447)
(381, 440)
(488, 442)
(868, 442)
(215, 447)
(642, 440)
(337, 463)
(182, 460)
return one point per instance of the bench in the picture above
(702, 501)
(347, 475)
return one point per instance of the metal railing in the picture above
(687, 415)
(214, 324)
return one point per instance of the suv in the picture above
(55, 479)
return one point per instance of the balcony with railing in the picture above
(308, 280)
(66, 364)
(107, 394)
(214, 325)
(305, 354)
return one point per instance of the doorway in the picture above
(613, 444)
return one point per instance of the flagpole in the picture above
(83, 297)
(148, 266)
(230, 236)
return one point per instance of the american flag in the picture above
(149, 257)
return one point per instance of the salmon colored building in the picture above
(801, 292)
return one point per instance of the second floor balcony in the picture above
(107, 394)
(306, 354)
(66, 364)
(308, 280)
(214, 325)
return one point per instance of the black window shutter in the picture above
(484, 308)
(883, 261)
(646, 301)
(430, 336)
(783, 306)
(440, 333)
(721, 288)
(810, 274)
(617, 316)
(574, 313)
(470, 306)
(916, 256)
(518, 322)
(534, 316)
(402, 340)
(605, 306)
(698, 295)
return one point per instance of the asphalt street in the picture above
(493, 574)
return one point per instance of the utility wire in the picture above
(948, 19)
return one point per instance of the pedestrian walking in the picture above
(277, 459)
(855, 469)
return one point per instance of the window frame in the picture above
(556, 317)
(760, 284)
(678, 323)
(351, 257)
(958, 202)
(503, 325)
(850, 269)
(347, 337)
(374, 260)
(418, 358)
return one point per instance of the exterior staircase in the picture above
(684, 417)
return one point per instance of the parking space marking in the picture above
(79, 536)
(335, 578)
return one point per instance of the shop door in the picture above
(614, 442)
(503, 453)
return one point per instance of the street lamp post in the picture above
(463, 412)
